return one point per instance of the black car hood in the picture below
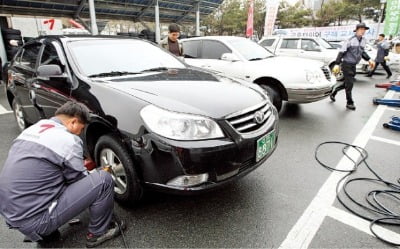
(213, 98)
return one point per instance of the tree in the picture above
(334, 11)
(294, 16)
(359, 7)
(231, 17)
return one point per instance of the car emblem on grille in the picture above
(259, 117)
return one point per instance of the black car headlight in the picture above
(180, 126)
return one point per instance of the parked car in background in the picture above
(158, 122)
(336, 44)
(284, 78)
(303, 47)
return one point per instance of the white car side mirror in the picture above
(229, 57)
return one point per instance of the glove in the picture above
(371, 63)
(107, 168)
(386, 58)
(336, 69)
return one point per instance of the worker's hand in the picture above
(336, 69)
(371, 63)
(107, 168)
(386, 58)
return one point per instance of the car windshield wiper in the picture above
(155, 69)
(112, 73)
(259, 58)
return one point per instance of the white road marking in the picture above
(361, 224)
(394, 109)
(385, 140)
(4, 110)
(302, 233)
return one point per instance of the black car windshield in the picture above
(107, 57)
(249, 49)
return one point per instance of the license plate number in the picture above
(264, 145)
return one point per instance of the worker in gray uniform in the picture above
(382, 56)
(349, 55)
(44, 184)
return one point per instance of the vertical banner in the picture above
(392, 19)
(250, 18)
(272, 7)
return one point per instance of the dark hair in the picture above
(383, 35)
(174, 28)
(74, 109)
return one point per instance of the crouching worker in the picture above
(44, 184)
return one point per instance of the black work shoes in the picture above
(114, 230)
(332, 97)
(351, 107)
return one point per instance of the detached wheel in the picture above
(110, 151)
(19, 116)
(274, 96)
(340, 75)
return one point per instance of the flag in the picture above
(270, 16)
(250, 17)
(392, 19)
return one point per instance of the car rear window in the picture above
(267, 42)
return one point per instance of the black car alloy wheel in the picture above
(19, 115)
(110, 151)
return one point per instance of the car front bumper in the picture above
(308, 95)
(224, 160)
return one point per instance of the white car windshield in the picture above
(322, 42)
(250, 50)
(110, 57)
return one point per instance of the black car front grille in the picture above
(326, 72)
(245, 122)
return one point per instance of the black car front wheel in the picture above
(110, 151)
(19, 116)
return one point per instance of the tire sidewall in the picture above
(134, 190)
(274, 97)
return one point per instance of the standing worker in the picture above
(382, 56)
(171, 42)
(349, 55)
(44, 183)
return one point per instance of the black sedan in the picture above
(157, 121)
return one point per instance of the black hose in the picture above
(121, 229)
(386, 216)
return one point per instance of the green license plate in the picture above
(265, 145)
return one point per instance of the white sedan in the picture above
(295, 80)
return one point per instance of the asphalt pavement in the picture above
(289, 201)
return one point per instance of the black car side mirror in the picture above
(51, 70)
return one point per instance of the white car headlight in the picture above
(314, 76)
(179, 126)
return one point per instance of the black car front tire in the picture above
(128, 189)
(274, 96)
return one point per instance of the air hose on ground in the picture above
(383, 214)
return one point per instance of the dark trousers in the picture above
(95, 191)
(384, 65)
(349, 71)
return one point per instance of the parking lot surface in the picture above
(287, 202)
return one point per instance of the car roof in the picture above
(81, 37)
(287, 36)
(217, 38)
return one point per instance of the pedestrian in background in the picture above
(382, 56)
(171, 42)
(349, 55)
